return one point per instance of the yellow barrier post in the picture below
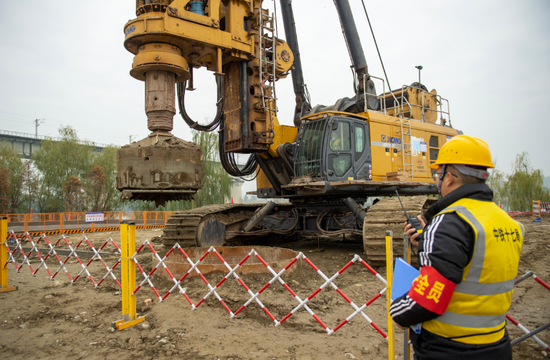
(389, 278)
(128, 276)
(4, 256)
(406, 333)
(536, 209)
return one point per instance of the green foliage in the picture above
(57, 161)
(17, 179)
(217, 183)
(497, 182)
(101, 182)
(517, 191)
(65, 162)
(12, 167)
(4, 191)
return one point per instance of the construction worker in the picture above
(469, 253)
(335, 141)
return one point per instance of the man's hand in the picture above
(411, 232)
(401, 327)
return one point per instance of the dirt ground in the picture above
(53, 319)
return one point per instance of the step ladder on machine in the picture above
(267, 60)
(406, 149)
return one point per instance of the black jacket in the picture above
(447, 244)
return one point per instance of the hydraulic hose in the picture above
(219, 104)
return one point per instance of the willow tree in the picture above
(525, 185)
(62, 161)
(497, 182)
(217, 183)
(58, 161)
(517, 191)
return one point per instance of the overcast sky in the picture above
(64, 62)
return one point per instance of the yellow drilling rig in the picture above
(326, 165)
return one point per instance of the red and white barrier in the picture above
(523, 328)
(254, 297)
(19, 244)
(302, 303)
(527, 331)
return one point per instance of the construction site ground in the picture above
(53, 319)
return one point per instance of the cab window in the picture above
(340, 139)
(359, 141)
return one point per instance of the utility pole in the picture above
(37, 123)
(131, 137)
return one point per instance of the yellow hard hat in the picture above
(466, 150)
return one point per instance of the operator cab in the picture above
(333, 147)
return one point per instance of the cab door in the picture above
(339, 145)
(361, 153)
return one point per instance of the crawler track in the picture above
(387, 214)
(182, 227)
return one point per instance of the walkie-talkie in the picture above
(415, 223)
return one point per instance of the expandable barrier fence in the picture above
(528, 333)
(51, 253)
(540, 208)
(127, 262)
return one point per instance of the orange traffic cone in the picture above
(231, 199)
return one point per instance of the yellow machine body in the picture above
(397, 144)
(412, 102)
(401, 144)
(236, 40)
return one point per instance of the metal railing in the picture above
(43, 137)
(403, 105)
(43, 222)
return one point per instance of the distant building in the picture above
(546, 182)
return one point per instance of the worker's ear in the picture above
(451, 180)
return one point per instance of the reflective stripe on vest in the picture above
(480, 307)
(471, 284)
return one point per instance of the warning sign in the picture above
(95, 217)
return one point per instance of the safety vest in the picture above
(477, 311)
(335, 144)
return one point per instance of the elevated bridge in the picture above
(25, 144)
